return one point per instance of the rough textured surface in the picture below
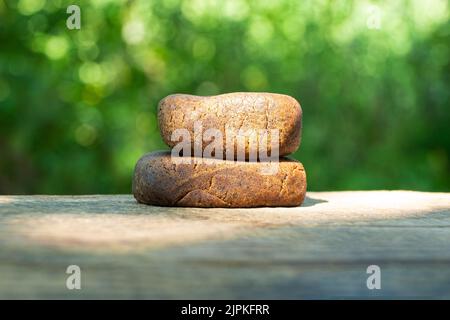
(217, 183)
(319, 250)
(240, 110)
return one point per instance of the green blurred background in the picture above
(77, 107)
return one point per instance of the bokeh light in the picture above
(78, 107)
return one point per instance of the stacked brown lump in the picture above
(219, 181)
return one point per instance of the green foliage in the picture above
(77, 107)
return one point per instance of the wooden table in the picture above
(319, 250)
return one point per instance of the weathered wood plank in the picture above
(322, 249)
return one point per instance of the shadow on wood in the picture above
(309, 202)
(320, 250)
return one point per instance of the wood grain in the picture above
(319, 250)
